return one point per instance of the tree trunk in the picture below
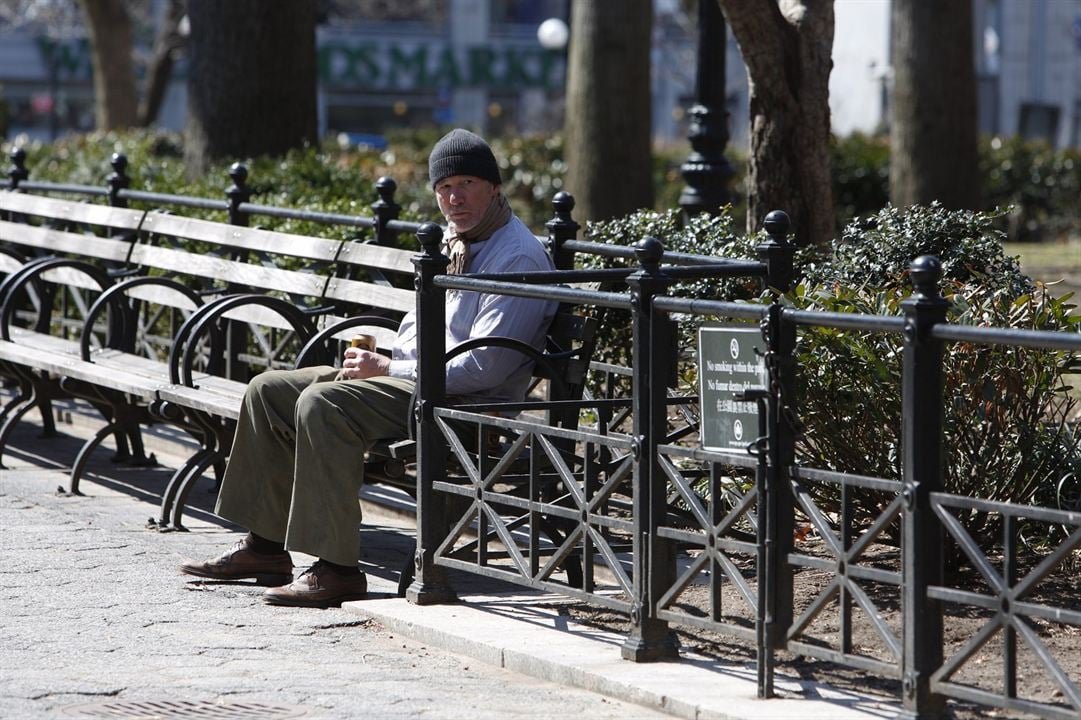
(166, 45)
(933, 133)
(109, 26)
(787, 47)
(251, 87)
(608, 123)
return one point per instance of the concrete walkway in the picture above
(95, 615)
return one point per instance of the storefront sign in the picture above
(411, 65)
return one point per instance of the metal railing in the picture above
(651, 515)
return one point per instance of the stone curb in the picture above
(513, 632)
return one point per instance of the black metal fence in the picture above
(672, 534)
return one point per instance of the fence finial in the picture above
(17, 172)
(386, 187)
(649, 251)
(238, 193)
(926, 272)
(118, 180)
(385, 210)
(561, 228)
(430, 236)
(777, 224)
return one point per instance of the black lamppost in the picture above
(707, 171)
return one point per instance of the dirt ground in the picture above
(983, 670)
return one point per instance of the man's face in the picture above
(463, 200)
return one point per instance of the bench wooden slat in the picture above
(377, 256)
(258, 315)
(366, 293)
(215, 395)
(59, 241)
(61, 357)
(71, 277)
(225, 270)
(81, 212)
(27, 338)
(234, 236)
(8, 264)
(161, 295)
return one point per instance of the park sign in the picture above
(731, 362)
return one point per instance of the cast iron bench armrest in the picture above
(33, 272)
(315, 351)
(182, 354)
(113, 299)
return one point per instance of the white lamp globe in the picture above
(553, 34)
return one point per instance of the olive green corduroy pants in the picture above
(298, 457)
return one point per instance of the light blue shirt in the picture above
(488, 374)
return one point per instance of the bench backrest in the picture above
(32, 226)
(213, 254)
(375, 276)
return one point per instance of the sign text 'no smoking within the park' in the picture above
(730, 361)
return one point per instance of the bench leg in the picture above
(138, 456)
(22, 394)
(183, 478)
(35, 392)
(216, 437)
(48, 419)
(181, 500)
(84, 457)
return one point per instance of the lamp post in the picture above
(707, 171)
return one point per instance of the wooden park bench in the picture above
(168, 292)
(35, 230)
(172, 312)
(290, 286)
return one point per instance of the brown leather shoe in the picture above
(320, 587)
(242, 563)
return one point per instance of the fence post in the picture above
(561, 228)
(777, 252)
(775, 535)
(654, 556)
(236, 333)
(385, 210)
(118, 180)
(238, 193)
(430, 584)
(921, 533)
(17, 172)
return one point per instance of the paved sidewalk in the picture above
(95, 613)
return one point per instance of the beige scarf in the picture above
(496, 216)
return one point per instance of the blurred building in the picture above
(394, 63)
(1028, 67)
(381, 65)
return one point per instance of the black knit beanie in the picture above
(460, 152)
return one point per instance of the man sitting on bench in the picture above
(296, 462)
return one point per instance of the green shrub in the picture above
(1036, 183)
(861, 175)
(703, 235)
(1006, 432)
(1006, 429)
(1039, 184)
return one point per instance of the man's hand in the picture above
(361, 364)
